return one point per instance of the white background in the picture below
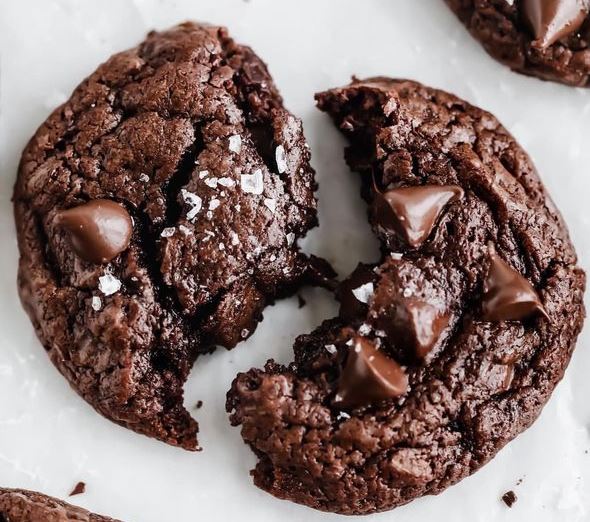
(50, 438)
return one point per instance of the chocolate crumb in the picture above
(79, 489)
(509, 498)
(199, 405)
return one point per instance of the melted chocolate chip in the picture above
(414, 324)
(369, 376)
(99, 230)
(353, 291)
(508, 296)
(413, 212)
(551, 20)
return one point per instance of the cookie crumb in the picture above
(79, 489)
(199, 405)
(509, 498)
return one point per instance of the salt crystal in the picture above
(364, 292)
(226, 182)
(290, 238)
(364, 329)
(194, 201)
(168, 232)
(343, 415)
(252, 183)
(396, 256)
(221, 246)
(96, 303)
(108, 284)
(211, 182)
(235, 143)
(281, 159)
(203, 174)
(185, 230)
(407, 292)
(144, 178)
(271, 204)
(235, 240)
(245, 333)
(214, 203)
(331, 348)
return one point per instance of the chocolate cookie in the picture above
(17, 505)
(158, 213)
(448, 347)
(544, 38)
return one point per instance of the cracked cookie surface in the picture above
(544, 38)
(477, 298)
(158, 212)
(17, 505)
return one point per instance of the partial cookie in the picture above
(17, 505)
(544, 38)
(158, 213)
(447, 348)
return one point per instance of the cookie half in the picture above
(17, 505)
(158, 213)
(447, 348)
(544, 38)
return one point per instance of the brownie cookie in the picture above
(544, 38)
(158, 213)
(448, 347)
(17, 505)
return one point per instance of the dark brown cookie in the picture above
(544, 38)
(158, 213)
(17, 505)
(447, 348)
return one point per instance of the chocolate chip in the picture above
(99, 230)
(508, 296)
(413, 324)
(412, 212)
(551, 20)
(369, 376)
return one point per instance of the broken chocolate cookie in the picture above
(158, 212)
(449, 346)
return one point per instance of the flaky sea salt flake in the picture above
(108, 284)
(235, 143)
(96, 303)
(271, 204)
(252, 183)
(194, 201)
(168, 232)
(281, 159)
(364, 292)
(331, 348)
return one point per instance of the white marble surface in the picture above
(50, 439)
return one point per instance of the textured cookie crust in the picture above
(17, 505)
(499, 26)
(188, 132)
(483, 382)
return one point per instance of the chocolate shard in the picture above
(98, 230)
(508, 296)
(551, 20)
(369, 376)
(413, 212)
